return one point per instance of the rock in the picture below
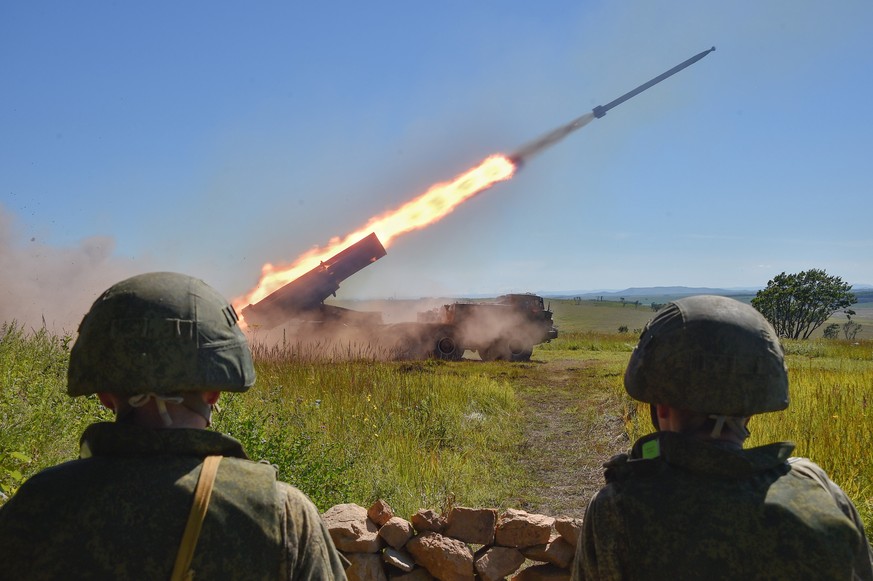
(380, 512)
(569, 528)
(446, 559)
(557, 552)
(419, 574)
(365, 567)
(351, 530)
(495, 563)
(428, 520)
(396, 532)
(472, 525)
(516, 528)
(400, 559)
(543, 573)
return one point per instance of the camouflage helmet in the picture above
(709, 354)
(160, 332)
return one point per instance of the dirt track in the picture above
(571, 427)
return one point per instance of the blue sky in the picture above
(211, 137)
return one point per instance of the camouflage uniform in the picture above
(689, 502)
(119, 512)
(700, 510)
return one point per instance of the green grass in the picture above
(416, 434)
(599, 316)
(430, 433)
(617, 345)
(608, 316)
(40, 424)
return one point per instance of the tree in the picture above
(797, 304)
(850, 327)
(832, 331)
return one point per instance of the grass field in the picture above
(433, 433)
(608, 316)
(589, 315)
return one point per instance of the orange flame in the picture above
(430, 207)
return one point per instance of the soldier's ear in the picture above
(211, 397)
(109, 400)
(670, 419)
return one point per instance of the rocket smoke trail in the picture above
(549, 139)
(556, 135)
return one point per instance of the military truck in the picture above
(506, 328)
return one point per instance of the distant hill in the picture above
(863, 295)
(656, 293)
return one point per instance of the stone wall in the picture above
(466, 544)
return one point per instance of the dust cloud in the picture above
(43, 285)
(408, 329)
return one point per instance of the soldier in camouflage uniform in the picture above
(157, 349)
(689, 502)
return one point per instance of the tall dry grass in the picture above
(830, 417)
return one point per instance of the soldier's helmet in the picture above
(709, 354)
(160, 333)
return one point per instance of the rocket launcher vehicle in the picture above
(305, 295)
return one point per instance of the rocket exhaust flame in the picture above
(436, 203)
(441, 199)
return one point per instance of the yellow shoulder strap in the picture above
(181, 570)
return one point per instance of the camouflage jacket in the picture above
(682, 508)
(119, 511)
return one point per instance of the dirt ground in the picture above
(571, 427)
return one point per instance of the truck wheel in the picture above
(497, 351)
(491, 353)
(506, 351)
(448, 348)
(521, 355)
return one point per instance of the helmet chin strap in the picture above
(192, 401)
(141, 399)
(736, 424)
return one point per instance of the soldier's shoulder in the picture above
(242, 469)
(59, 476)
(294, 497)
(809, 470)
(805, 465)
